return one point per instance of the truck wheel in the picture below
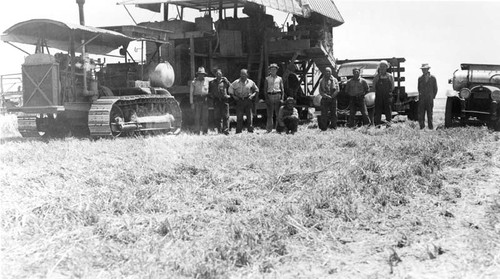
(448, 113)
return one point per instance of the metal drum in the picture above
(163, 75)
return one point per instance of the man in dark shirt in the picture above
(356, 88)
(427, 90)
(217, 91)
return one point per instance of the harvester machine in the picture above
(76, 91)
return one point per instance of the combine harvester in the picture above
(236, 34)
(71, 92)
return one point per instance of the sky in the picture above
(441, 33)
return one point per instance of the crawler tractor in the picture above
(75, 92)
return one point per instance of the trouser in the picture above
(328, 113)
(291, 125)
(425, 106)
(383, 105)
(221, 115)
(355, 104)
(273, 104)
(244, 107)
(200, 114)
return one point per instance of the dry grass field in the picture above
(368, 203)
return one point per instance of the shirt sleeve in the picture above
(366, 88)
(254, 87)
(391, 79)
(435, 86)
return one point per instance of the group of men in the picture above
(383, 85)
(243, 91)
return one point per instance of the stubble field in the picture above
(367, 203)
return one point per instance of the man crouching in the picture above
(288, 117)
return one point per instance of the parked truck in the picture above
(476, 96)
(404, 103)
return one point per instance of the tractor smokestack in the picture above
(80, 10)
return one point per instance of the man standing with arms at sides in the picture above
(273, 88)
(198, 93)
(383, 84)
(427, 90)
(218, 92)
(328, 89)
(356, 88)
(243, 91)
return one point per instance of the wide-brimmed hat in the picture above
(201, 70)
(290, 100)
(385, 63)
(425, 66)
(273, 65)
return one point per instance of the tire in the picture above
(448, 113)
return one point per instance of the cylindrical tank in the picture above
(461, 78)
(163, 75)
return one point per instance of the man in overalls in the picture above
(328, 89)
(384, 85)
(427, 90)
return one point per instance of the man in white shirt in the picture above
(273, 88)
(243, 91)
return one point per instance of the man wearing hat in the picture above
(427, 90)
(383, 83)
(198, 93)
(356, 88)
(288, 117)
(243, 91)
(273, 87)
(328, 89)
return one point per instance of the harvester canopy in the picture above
(303, 8)
(60, 35)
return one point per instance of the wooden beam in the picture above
(191, 54)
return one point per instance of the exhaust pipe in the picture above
(86, 92)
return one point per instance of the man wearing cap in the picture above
(427, 90)
(356, 88)
(243, 91)
(328, 89)
(274, 95)
(383, 83)
(198, 93)
(217, 91)
(288, 117)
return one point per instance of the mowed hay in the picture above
(315, 204)
(8, 126)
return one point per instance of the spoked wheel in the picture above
(116, 117)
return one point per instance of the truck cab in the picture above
(476, 96)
